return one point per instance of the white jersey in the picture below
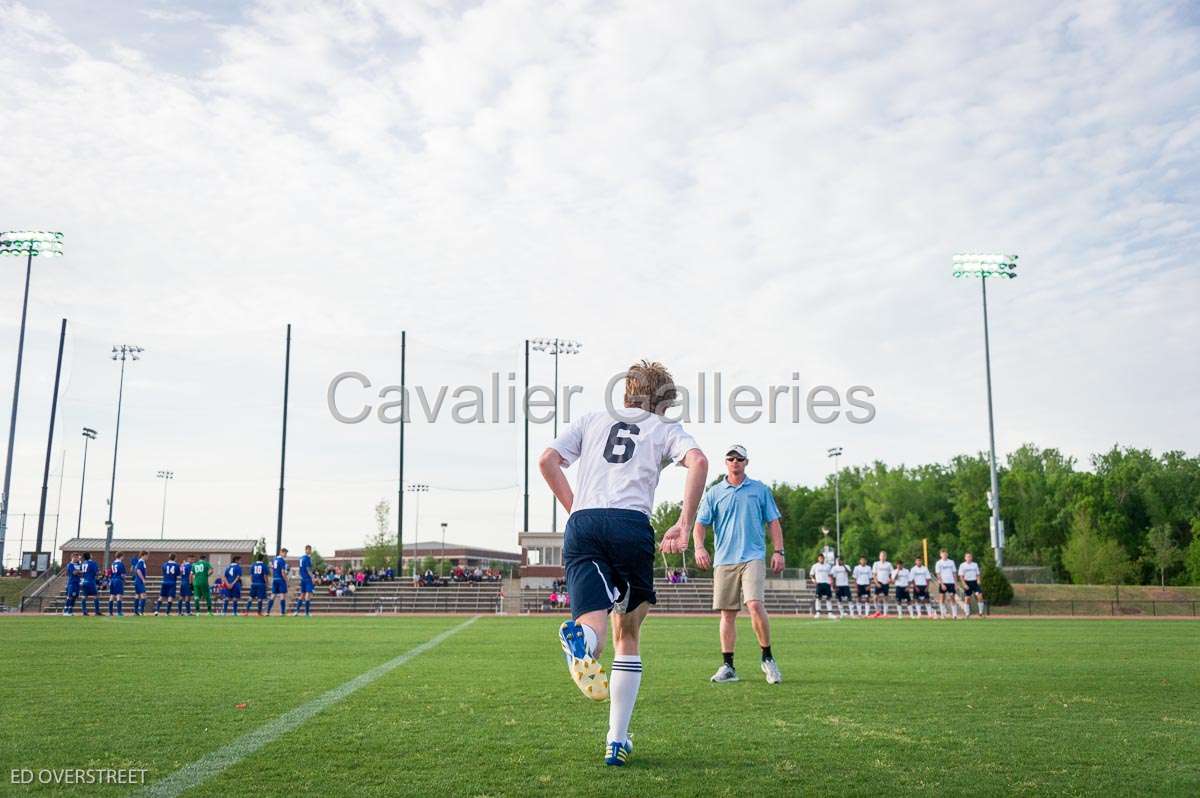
(945, 571)
(882, 571)
(903, 576)
(620, 457)
(862, 574)
(819, 572)
(841, 575)
(969, 571)
(920, 576)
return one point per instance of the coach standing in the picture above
(739, 508)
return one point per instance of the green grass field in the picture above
(881, 707)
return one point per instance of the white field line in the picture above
(229, 755)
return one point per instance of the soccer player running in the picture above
(201, 571)
(233, 585)
(258, 583)
(185, 586)
(90, 573)
(881, 574)
(739, 508)
(841, 582)
(170, 578)
(306, 582)
(968, 572)
(608, 546)
(139, 584)
(116, 586)
(819, 574)
(279, 586)
(947, 576)
(862, 584)
(74, 576)
(903, 577)
(920, 579)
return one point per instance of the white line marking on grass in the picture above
(229, 755)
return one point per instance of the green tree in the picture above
(996, 587)
(665, 516)
(381, 544)
(318, 562)
(1193, 554)
(260, 549)
(1093, 559)
(1161, 551)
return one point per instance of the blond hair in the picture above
(650, 386)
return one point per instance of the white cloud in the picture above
(755, 188)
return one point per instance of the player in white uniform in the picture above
(881, 575)
(947, 577)
(841, 585)
(608, 546)
(862, 585)
(920, 580)
(819, 574)
(968, 572)
(902, 578)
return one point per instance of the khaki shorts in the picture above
(734, 585)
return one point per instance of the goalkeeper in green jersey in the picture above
(201, 571)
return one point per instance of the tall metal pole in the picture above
(112, 487)
(162, 529)
(37, 549)
(442, 565)
(287, 373)
(400, 485)
(12, 423)
(525, 412)
(837, 500)
(83, 480)
(62, 474)
(553, 498)
(997, 542)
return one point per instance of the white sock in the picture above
(623, 687)
(954, 609)
(967, 609)
(982, 607)
(589, 639)
(912, 611)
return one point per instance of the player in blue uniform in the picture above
(170, 581)
(258, 583)
(279, 586)
(139, 584)
(116, 585)
(74, 574)
(306, 583)
(232, 591)
(91, 571)
(185, 586)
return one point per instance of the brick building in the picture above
(219, 552)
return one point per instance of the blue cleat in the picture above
(587, 672)
(617, 754)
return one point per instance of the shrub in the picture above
(996, 587)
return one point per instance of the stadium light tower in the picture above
(166, 477)
(89, 434)
(416, 489)
(32, 244)
(122, 353)
(1001, 266)
(555, 347)
(836, 452)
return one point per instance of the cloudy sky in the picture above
(756, 189)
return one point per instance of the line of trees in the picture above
(1132, 518)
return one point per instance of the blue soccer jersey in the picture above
(139, 575)
(74, 573)
(185, 584)
(170, 572)
(91, 569)
(258, 573)
(279, 569)
(117, 577)
(306, 569)
(233, 579)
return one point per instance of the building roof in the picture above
(435, 546)
(154, 544)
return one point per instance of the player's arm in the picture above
(551, 464)
(699, 533)
(776, 531)
(675, 540)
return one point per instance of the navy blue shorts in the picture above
(72, 591)
(139, 586)
(609, 557)
(233, 591)
(166, 590)
(89, 589)
(278, 586)
(116, 587)
(185, 589)
(258, 590)
(306, 586)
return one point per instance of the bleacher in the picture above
(693, 596)
(374, 597)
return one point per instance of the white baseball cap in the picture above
(739, 450)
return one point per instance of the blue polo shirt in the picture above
(739, 515)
